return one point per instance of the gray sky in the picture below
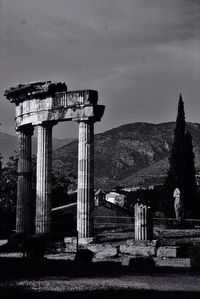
(138, 54)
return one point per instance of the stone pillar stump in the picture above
(143, 222)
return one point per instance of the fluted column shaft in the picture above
(85, 200)
(24, 211)
(44, 180)
(143, 222)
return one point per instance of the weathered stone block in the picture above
(103, 250)
(106, 254)
(70, 244)
(3, 242)
(70, 248)
(126, 261)
(168, 251)
(85, 241)
(173, 262)
(133, 242)
(70, 240)
(137, 250)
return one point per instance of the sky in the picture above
(139, 55)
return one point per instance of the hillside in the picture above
(129, 155)
(9, 144)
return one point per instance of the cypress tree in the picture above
(175, 174)
(189, 182)
(181, 172)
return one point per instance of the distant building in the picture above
(100, 197)
(135, 188)
(116, 198)
(151, 187)
(127, 189)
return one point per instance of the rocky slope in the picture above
(129, 155)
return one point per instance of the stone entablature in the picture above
(34, 90)
(40, 102)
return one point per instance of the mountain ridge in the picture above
(129, 155)
(122, 153)
(9, 144)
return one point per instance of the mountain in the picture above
(9, 144)
(129, 155)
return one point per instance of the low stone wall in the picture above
(134, 253)
(130, 247)
(134, 248)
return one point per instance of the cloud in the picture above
(138, 54)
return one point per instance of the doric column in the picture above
(85, 200)
(143, 222)
(24, 212)
(44, 179)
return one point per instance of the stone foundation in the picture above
(102, 251)
(131, 248)
(136, 250)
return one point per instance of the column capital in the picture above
(46, 124)
(96, 115)
(85, 120)
(26, 129)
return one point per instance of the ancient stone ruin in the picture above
(143, 222)
(43, 105)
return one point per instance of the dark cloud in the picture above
(23, 21)
(139, 54)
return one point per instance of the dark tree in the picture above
(189, 183)
(8, 183)
(181, 172)
(176, 166)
